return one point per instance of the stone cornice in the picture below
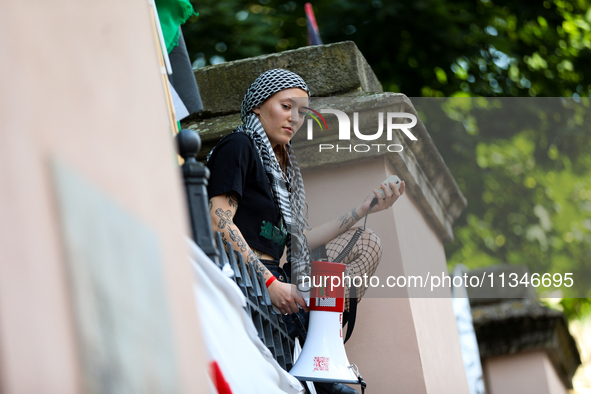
(328, 70)
(524, 325)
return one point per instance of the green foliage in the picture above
(525, 171)
(575, 307)
(524, 167)
(421, 48)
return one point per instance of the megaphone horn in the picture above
(323, 358)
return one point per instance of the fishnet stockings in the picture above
(362, 260)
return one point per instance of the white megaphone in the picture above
(323, 358)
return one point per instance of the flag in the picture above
(313, 34)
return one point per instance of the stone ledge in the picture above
(328, 70)
(518, 326)
(212, 131)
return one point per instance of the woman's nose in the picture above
(295, 117)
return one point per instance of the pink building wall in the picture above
(522, 373)
(406, 345)
(82, 84)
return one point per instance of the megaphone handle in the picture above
(362, 383)
(355, 370)
(352, 313)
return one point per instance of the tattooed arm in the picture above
(222, 209)
(323, 234)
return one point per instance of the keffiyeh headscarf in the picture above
(291, 205)
(266, 85)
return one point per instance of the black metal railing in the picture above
(267, 320)
(195, 175)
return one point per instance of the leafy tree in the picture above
(528, 203)
(422, 48)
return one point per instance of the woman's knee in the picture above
(371, 238)
(368, 232)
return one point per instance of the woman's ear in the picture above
(257, 110)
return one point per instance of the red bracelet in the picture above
(270, 280)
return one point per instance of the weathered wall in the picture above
(400, 343)
(329, 70)
(83, 88)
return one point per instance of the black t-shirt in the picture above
(235, 165)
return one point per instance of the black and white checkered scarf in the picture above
(291, 204)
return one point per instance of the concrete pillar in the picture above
(402, 342)
(525, 346)
(528, 372)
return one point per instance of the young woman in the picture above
(257, 198)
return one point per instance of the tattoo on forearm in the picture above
(349, 219)
(233, 200)
(354, 215)
(225, 223)
(254, 261)
(210, 205)
(225, 217)
(235, 236)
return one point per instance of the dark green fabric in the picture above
(172, 14)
